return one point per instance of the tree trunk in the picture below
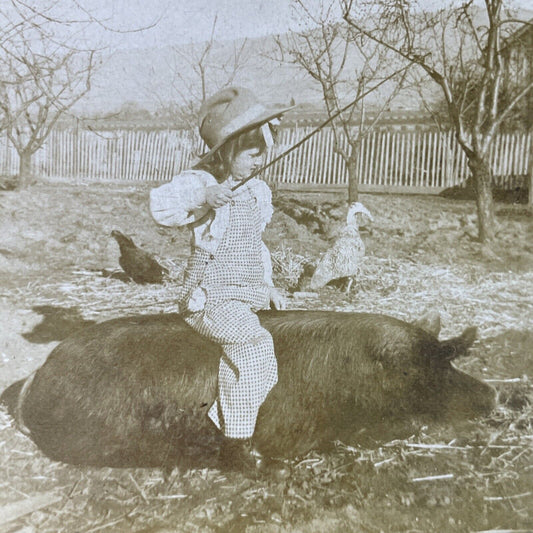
(25, 170)
(353, 179)
(482, 182)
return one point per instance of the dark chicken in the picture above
(139, 265)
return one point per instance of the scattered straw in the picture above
(495, 302)
(287, 266)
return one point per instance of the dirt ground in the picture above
(421, 254)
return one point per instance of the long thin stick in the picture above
(318, 128)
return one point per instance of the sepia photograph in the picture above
(266, 266)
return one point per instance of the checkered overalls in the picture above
(233, 281)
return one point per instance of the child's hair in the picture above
(219, 165)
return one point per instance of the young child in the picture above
(229, 273)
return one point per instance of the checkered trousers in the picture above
(233, 283)
(247, 370)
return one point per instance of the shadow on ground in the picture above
(57, 324)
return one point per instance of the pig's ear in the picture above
(469, 335)
(457, 346)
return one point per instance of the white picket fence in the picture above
(410, 161)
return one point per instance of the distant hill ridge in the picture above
(145, 77)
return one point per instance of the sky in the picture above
(189, 21)
(121, 27)
(185, 21)
(130, 24)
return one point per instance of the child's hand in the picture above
(218, 195)
(276, 299)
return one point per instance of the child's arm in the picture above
(265, 205)
(218, 195)
(267, 264)
(183, 200)
(275, 297)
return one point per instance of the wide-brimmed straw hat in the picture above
(230, 112)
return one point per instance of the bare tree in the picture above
(198, 70)
(35, 90)
(343, 63)
(41, 77)
(43, 73)
(460, 50)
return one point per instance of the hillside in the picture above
(149, 77)
(152, 77)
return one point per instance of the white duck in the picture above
(343, 258)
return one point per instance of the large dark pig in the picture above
(135, 391)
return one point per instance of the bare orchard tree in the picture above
(461, 50)
(345, 64)
(40, 79)
(42, 72)
(196, 69)
(35, 90)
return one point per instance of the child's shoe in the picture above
(238, 454)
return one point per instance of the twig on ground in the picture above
(139, 489)
(432, 478)
(510, 380)
(380, 463)
(503, 498)
(504, 531)
(171, 497)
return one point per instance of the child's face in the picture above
(245, 162)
